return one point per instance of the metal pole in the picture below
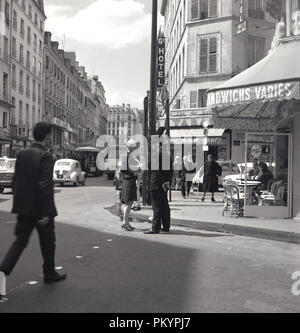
(167, 126)
(145, 174)
(153, 69)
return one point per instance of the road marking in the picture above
(96, 247)
(79, 257)
(59, 268)
(109, 240)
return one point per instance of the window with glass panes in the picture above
(256, 49)
(203, 9)
(208, 55)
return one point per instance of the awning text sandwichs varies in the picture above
(265, 92)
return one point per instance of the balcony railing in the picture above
(5, 98)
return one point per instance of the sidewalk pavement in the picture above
(194, 214)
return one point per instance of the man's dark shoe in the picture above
(213, 200)
(151, 232)
(136, 209)
(52, 278)
(165, 230)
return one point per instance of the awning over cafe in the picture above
(259, 97)
(274, 78)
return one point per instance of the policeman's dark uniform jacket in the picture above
(159, 197)
(33, 199)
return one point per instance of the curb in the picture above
(277, 235)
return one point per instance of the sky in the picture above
(112, 39)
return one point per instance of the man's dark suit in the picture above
(33, 199)
(159, 197)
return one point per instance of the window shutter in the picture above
(193, 99)
(195, 10)
(203, 55)
(213, 54)
(202, 98)
(213, 8)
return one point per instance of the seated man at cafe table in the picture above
(264, 175)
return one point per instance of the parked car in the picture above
(67, 171)
(7, 170)
(92, 169)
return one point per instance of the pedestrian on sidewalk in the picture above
(212, 171)
(177, 168)
(130, 171)
(160, 182)
(33, 202)
(187, 175)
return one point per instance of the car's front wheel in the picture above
(1, 189)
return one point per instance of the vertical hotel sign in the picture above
(242, 26)
(161, 54)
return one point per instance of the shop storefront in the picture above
(262, 108)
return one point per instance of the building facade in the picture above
(73, 103)
(5, 80)
(21, 71)
(27, 37)
(205, 49)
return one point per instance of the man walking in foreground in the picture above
(33, 201)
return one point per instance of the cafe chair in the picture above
(233, 200)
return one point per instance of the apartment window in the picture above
(14, 47)
(29, 36)
(256, 49)
(21, 54)
(208, 55)
(21, 82)
(15, 20)
(256, 9)
(30, 12)
(4, 123)
(20, 113)
(22, 29)
(27, 114)
(28, 60)
(203, 9)
(14, 77)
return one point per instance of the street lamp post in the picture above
(153, 73)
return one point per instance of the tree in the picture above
(275, 8)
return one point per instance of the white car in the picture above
(67, 171)
(7, 170)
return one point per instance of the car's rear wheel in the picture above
(1, 189)
(76, 183)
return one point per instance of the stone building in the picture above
(204, 49)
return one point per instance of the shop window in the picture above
(204, 9)
(256, 49)
(208, 55)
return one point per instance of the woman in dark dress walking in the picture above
(210, 178)
(128, 193)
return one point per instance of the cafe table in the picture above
(250, 186)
